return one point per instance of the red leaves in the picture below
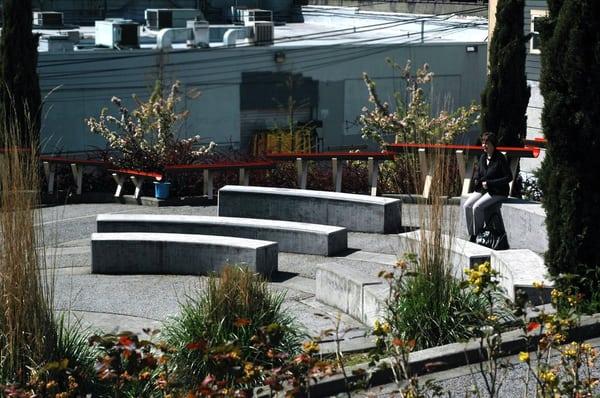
(199, 345)
(531, 326)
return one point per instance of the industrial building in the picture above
(257, 74)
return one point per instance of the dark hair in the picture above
(489, 137)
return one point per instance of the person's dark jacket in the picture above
(497, 174)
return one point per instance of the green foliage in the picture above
(20, 97)
(433, 309)
(506, 95)
(411, 121)
(226, 325)
(145, 139)
(569, 82)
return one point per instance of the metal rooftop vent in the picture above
(118, 33)
(254, 15)
(263, 33)
(47, 18)
(161, 18)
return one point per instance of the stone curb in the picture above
(451, 356)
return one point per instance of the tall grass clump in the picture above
(27, 328)
(429, 304)
(234, 322)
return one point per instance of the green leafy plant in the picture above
(233, 320)
(145, 139)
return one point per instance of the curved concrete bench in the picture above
(154, 253)
(360, 213)
(292, 237)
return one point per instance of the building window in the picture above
(534, 47)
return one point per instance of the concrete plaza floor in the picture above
(111, 303)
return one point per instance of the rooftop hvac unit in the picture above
(235, 15)
(47, 18)
(200, 33)
(263, 33)
(118, 33)
(161, 18)
(254, 15)
(59, 43)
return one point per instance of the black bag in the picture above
(493, 235)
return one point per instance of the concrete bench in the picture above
(524, 222)
(353, 292)
(292, 237)
(360, 213)
(519, 269)
(159, 253)
(463, 254)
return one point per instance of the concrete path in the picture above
(134, 302)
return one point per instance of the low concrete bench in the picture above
(292, 237)
(156, 253)
(353, 292)
(360, 213)
(519, 269)
(464, 254)
(524, 222)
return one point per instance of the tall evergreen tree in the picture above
(570, 85)
(506, 95)
(18, 72)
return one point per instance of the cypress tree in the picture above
(506, 95)
(570, 85)
(18, 72)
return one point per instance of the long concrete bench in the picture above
(292, 237)
(360, 213)
(519, 269)
(160, 253)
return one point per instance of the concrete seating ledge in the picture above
(524, 222)
(292, 237)
(361, 213)
(160, 253)
(357, 294)
(518, 268)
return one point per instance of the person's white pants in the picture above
(475, 207)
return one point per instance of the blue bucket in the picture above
(161, 190)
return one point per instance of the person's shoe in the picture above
(472, 238)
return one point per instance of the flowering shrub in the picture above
(145, 138)
(412, 122)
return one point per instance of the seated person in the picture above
(491, 181)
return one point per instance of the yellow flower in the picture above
(548, 377)
(556, 294)
(484, 268)
(381, 329)
(401, 264)
(492, 318)
(538, 284)
(524, 356)
(311, 347)
(571, 350)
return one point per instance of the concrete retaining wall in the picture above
(292, 237)
(360, 213)
(155, 253)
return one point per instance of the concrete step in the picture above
(358, 294)
(293, 237)
(360, 213)
(161, 253)
(519, 269)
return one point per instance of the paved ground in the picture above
(134, 302)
